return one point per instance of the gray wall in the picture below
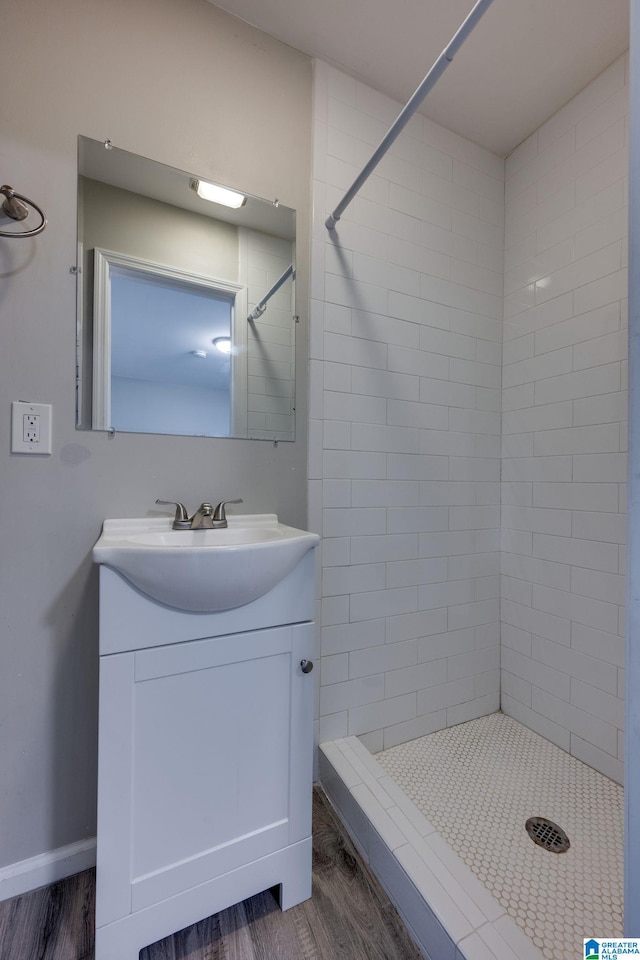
(179, 81)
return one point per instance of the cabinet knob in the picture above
(306, 666)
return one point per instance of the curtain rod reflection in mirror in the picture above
(16, 207)
(262, 306)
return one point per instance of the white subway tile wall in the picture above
(405, 403)
(564, 425)
(270, 338)
(469, 397)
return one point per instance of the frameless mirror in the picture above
(186, 306)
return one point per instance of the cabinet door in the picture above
(205, 762)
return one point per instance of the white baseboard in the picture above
(46, 868)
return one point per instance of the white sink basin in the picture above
(203, 570)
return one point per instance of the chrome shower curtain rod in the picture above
(262, 306)
(408, 111)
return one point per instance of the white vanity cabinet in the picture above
(205, 758)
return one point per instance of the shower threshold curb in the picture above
(447, 910)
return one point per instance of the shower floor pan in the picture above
(441, 822)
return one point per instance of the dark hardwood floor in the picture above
(349, 917)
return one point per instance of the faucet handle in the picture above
(181, 519)
(219, 515)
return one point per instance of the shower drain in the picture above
(547, 834)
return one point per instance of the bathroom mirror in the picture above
(186, 306)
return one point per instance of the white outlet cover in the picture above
(19, 410)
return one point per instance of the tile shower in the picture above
(468, 409)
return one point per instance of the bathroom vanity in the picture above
(205, 742)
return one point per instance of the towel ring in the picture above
(17, 207)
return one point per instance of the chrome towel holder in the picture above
(17, 207)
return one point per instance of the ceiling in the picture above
(523, 61)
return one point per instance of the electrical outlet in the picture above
(30, 427)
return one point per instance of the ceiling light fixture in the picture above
(217, 194)
(223, 344)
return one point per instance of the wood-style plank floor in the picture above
(349, 917)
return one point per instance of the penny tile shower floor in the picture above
(479, 782)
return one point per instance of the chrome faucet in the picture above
(205, 517)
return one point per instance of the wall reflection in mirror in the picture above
(186, 306)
